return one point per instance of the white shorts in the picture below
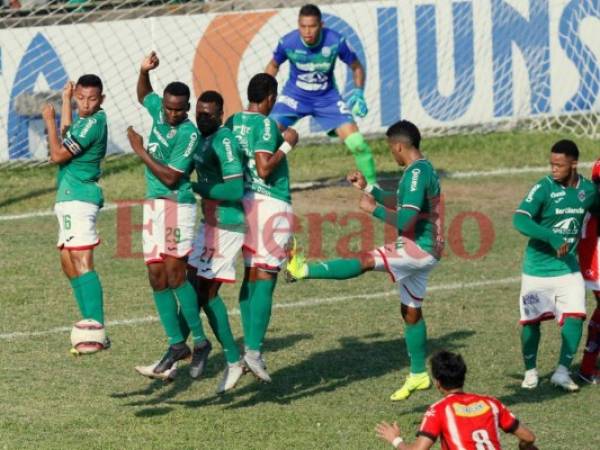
(214, 253)
(77, 225)
(408, 269)
(168, 229)
(270, 227)
(544, 298)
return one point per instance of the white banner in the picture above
(440, 64)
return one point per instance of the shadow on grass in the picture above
(27, 196)
(166, 391)
(356, 359)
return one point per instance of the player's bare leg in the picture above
(415, 335)
(588, 372)
(360, 149)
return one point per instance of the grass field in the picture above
(335, 350)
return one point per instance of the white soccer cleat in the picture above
(148, 371)
(561, 378)
(531, 379)
(254, 362)
(233, 373)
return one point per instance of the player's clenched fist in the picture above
(135, 139)
(68, 90)
(291, 136)
(150, 62)
(48, 112)
(357, 179)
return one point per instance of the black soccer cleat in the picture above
(199, 358)
(175, 353)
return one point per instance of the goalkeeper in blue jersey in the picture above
(311, 91)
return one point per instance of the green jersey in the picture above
(259, 134)
(561, 209)
(77, 179)
(173, 146)
(419, 189)
(218, 159)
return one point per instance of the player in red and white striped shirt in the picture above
(589, 261)
(461, 421)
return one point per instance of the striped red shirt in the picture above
(465, 421)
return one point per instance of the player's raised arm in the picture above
(267, 160)
(272, 68)
(58, 153)
(66, 114)
(144, 87)
(167, 175)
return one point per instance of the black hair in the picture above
(310, 10)
(212, 97)
(90, 80)
(260, 87)
(404, 129)
(178, 89)
(566, 147)
(449, 369)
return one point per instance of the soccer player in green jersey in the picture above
(414, 210)
(219, 240)
(169, 215)
(268, 209)
(78, 150)
(551, 215)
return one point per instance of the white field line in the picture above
(312, 184)
(301, 304)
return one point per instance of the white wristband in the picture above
(397, 441)
(286, 147)
(368, 188)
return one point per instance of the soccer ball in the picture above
(88, 336)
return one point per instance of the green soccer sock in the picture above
(363, 156)
(183, 326)
(78, 296)
(91, 290)
(166, 305)
(188, 302)
(335, 269)
(416, 345)
(216, 311)
(570, 332)
(260, 310)
(246, 291)
(530, 341)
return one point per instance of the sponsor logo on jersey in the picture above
(532, 192)
(267, 131)
(172, 132)
(568, 210)
(191, 145)
(160, 137)
(228, 149)
(88, 126)
(471, 410)
(414, 179)
(557, 194)
(326, 51)
(568, 226)
(152, 148)
(581, 196)
(289, 101)
(314, 67)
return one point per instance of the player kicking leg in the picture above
(411, 258)
(79, 148)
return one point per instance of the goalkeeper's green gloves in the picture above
(357, 103)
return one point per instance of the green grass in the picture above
(334, 364)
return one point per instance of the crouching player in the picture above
(552, 215)
(589, 260)
(78, 150)
(414, 210)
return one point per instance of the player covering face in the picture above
(413, 210)
(78, 151)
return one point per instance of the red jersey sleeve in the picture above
(507, 421)
(431, 426)
(596, 172)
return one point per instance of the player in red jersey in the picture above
(589, 260)
(461, 421)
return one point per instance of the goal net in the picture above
(449, 66)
